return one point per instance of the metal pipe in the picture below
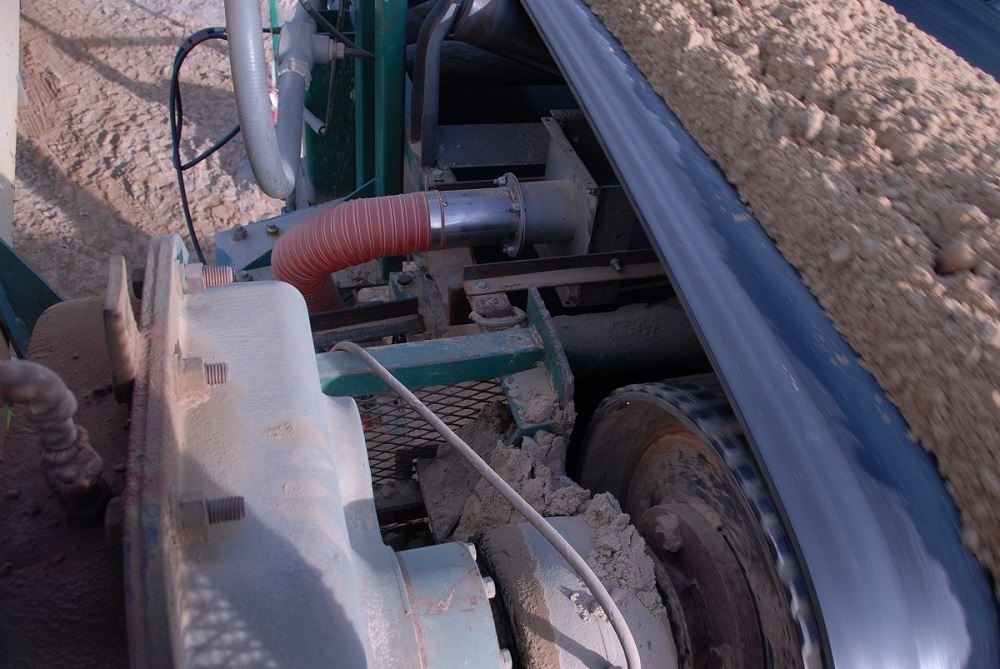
(273, 155)
(71, 466)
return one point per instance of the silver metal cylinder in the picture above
(479, 217)
(550, 213)
(514, 214)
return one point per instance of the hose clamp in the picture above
(435, 209)
(297, 66)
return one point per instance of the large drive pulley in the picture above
(675, 457)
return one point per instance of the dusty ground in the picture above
(93, 157)
(871, 154)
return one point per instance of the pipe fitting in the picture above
(326, 50)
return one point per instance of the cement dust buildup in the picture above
(871, 154)
(536, 470)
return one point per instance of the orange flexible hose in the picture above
(348, 234)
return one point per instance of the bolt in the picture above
(506, 659)
(500, 181)
(510, 249)
(196, 511)
(491, 587)
(218, 275)
(514, 207)
(482, 285)
(616, 264)
(239, 233)
(216, 373)
(226, 509)
(272, 230)
(404, 279)
(437, 175)
(243, 276)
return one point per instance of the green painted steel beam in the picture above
(433, 363)
(364, 18)
(390, 91)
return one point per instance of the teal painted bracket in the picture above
(433, 363)
(24, 296)
(556, 363)
(541, 398)
(529, 361)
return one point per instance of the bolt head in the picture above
(437, 174)
(239, 233)
(510, 249)
(482, 285)
(404, 279)
(272, 230)
(500, 181)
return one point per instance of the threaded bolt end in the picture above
(216, 373)
(225, 509)
(218, 275)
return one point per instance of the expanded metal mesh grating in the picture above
(397, 435)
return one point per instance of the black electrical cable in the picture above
(330, 29)
(176, 113)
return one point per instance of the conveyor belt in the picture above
(873, 522)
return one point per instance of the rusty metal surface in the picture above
(677, 443)
(61, 588)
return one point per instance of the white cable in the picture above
(545, 528)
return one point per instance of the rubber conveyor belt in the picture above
(871, 518)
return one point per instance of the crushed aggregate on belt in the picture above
(871, 154)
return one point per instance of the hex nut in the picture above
(193, 511)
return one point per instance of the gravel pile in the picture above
(871, 154)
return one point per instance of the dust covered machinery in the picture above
(489, 198)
